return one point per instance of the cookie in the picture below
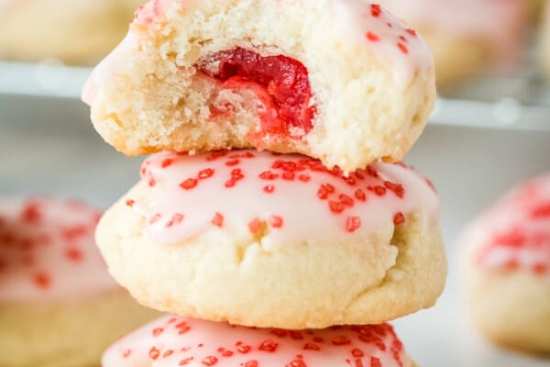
(342, 81)
(506, 269)
(268, 240)
(545, 42)
(75, 32)
(58, 305)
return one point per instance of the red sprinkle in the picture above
(375, 10)
(32, 213)
(217, 220)
(155, 218)
(353, 224)
(185, 361)
(255, 225)
(189, 184)
(372, 37)
(341, 340)
(403, 48)
(209, 361)
(276, 221)
(379, 190)
(289, 176)
(399, 218)
(336, 207)
(360, 195)
(176, 219)
(157, 331)
(168, 353)
(130, 202)
(154, 353)
(269, 346)
(206, 173)
(74, 254)
(346, 200)
(42, 280)
(232, 162)
(269, 189)
(244, 349)
(165, 163)
(268, 175)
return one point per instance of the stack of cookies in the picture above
(274, 215)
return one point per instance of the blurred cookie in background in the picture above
(58, 305)
(506, 270)
(78, 32)
(536, 9)
(467, 37)
(545, 42)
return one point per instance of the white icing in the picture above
(296, 202)
(384, 34)
(178, 341)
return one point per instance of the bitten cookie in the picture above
(58, 305)
(180, 341)
(338, 80)
(507, 268)
(77, 32)
(467, 36)
(268, 240)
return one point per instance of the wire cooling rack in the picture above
(521, 101)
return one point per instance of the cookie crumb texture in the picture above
(181, 341)
(339, 80)
(268, 240)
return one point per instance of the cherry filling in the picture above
(280, 83)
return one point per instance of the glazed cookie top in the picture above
(47, 251)
(515, 232)
(361, 22)
(179, 341)
(282, 198)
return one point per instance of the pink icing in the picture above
(361, 22)
(288, 197)
(47, 251)
(502, 23)
(180, 341)
(515, 232)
